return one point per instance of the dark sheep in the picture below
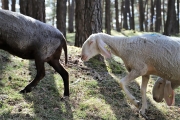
(31, 39)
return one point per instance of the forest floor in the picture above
(95, 93)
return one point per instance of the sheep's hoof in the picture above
(66, 94)
(137, 103)
(143, 115)
(141, 111)
(26, 90)
(65, 98)
(121, 86)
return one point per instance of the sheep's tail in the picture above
(65, 51)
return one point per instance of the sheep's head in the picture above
(162, 89)
(94, 45)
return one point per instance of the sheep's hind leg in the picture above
(145, 80)
(64, 74)
(40, 74)
(124, 81)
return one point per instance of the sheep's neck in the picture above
(175, 84)
(114, 43)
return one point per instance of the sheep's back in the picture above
(156, 50)
(24, 34)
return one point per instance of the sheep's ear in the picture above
(169, 94)
(104, 49)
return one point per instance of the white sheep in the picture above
(165, 89)
(145, 55)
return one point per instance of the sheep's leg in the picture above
(40, 74)
(145, 80)
(64, 74)
(124, 81)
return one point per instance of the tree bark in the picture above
(39, 10)
(88, 19)
(164, 21)
(117, 16)
(146, 17)
(5, 4)
(125, 23)
(169, 21)
(174, 23)
(141, 15)
(152, 15)
(132, 18)
(70, 16)
(26, 7)
(79, 20)
(107, 17)
(158, 16)
(61, 16)
(177, 16)
(13, 8)
(128, 12)
(33, 8)
(93, 19)
(122, 13)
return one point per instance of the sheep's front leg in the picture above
(124, 82)
(145, 80)
(40, 74)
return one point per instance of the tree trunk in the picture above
(146, 17)
(141, 15)
(5, 4)
(107, 17)
(174, 23)
(177, 16)
(103, 9)
(26, 7)
(93, 19)
(61, 16)
(122, 13)
(39, 10)
(117, 16)
(128, 12)
(33, 8)
(132, 18)
(79, 20)
(125, 24)
(152, 15)
(70, 16)
(169, 21)
(88, 19)
(13, 4)
(158, 16)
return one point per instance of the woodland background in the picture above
(85, 17)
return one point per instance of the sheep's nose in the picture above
(154, 98)
(83, 57)
(157, 99)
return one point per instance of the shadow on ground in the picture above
(47, 99)
(44, 102)
(115, 97)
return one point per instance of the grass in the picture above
(94, 91)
